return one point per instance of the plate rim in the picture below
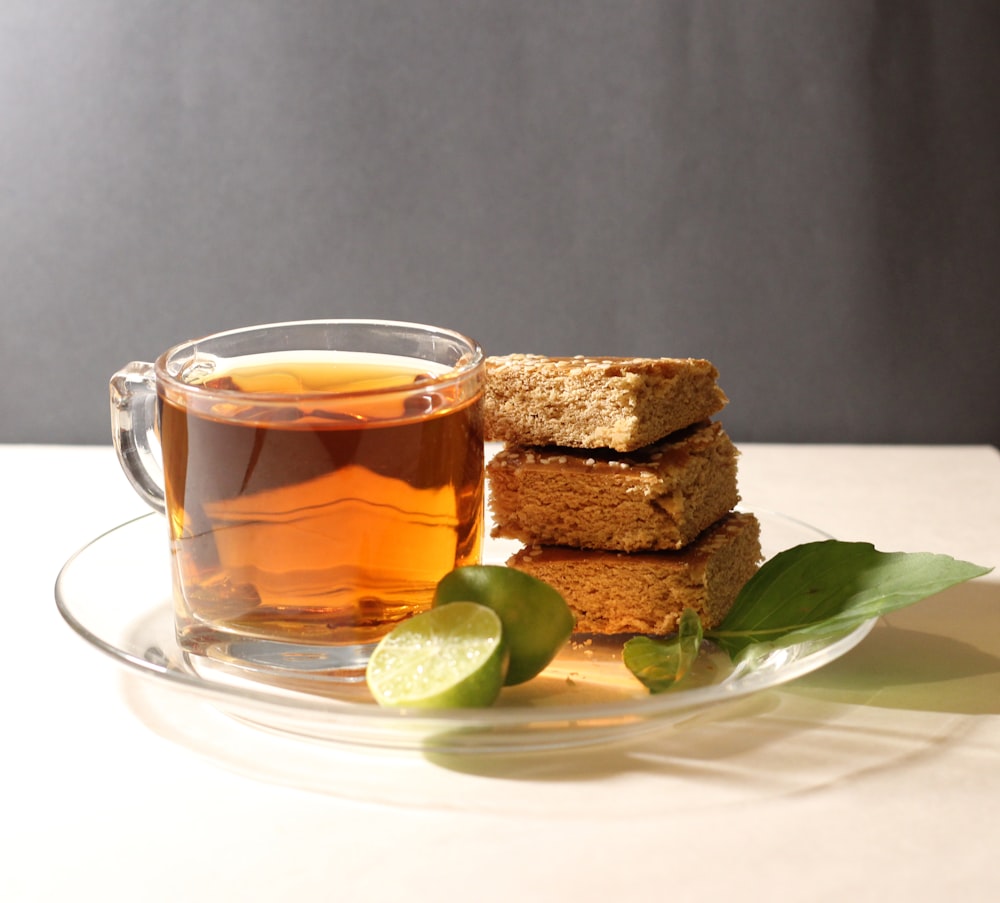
(370, 715)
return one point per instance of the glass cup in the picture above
(318, 478)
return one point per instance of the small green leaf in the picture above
(659, 664)
(821, 589)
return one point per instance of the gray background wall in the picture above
(805, 192)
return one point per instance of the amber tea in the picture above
(317, 521)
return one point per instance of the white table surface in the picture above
(876, 778)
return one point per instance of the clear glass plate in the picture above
(115, 592)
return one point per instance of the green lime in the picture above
(536, 619)
(444, 658)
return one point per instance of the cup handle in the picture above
(134, 428)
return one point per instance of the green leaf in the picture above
(806, 596)
(822, 589)
(659, 664)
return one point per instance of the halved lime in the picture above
(451, 657)
(536, 619)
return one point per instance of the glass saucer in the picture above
(115, 592)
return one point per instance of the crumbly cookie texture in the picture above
(581, 402)
(659, 497)
(645, 592)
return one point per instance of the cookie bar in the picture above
(617, 403)
(659, 497)
(645, 592)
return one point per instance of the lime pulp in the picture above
(449, 657)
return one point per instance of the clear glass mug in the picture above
(318, 478)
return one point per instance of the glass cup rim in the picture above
(467, 366)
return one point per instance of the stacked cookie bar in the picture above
(620, 487)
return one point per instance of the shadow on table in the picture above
(935, 665)
(942, 655)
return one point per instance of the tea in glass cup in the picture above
(318, 479)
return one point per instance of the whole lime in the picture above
(536, 619)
